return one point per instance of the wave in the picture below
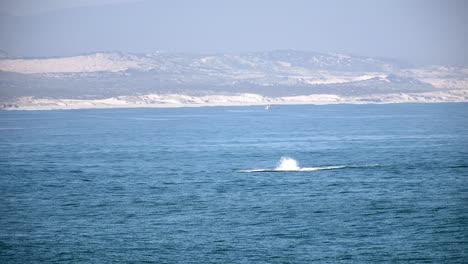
(290, 164)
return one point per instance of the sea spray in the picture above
(287, 164)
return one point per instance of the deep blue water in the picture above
(166, 185)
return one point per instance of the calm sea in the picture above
(362, 184)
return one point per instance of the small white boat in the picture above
(267, 107)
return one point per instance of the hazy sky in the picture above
(418, 31)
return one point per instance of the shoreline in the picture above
(180, 100)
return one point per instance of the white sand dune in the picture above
(180, 100)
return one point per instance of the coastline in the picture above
(245, 99)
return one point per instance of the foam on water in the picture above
(290, 164)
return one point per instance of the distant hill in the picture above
(269, 73)
(5, 55)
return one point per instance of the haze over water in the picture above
(182, 185)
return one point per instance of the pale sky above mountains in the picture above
(417, 31)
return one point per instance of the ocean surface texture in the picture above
(293, 184)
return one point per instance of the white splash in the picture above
(287, 164)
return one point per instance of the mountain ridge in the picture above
(269, 73)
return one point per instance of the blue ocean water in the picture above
(199, 185)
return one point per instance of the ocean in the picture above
(292, 184)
